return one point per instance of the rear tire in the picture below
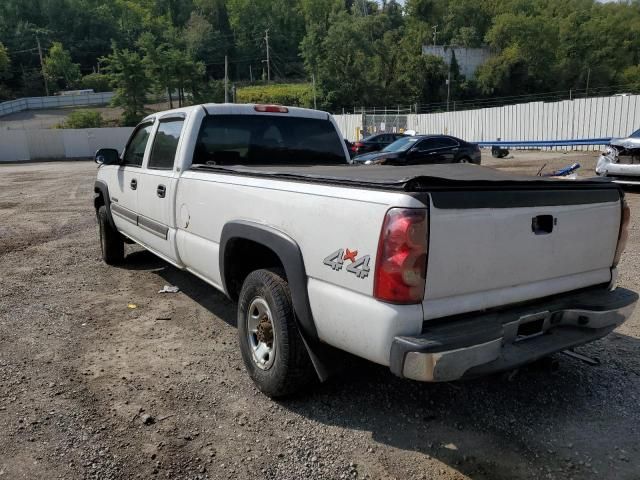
(272, 348)
(465, 160)
(111, 242)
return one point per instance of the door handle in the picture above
(161, 191)
(134, 184)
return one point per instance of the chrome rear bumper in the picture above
(487, 343)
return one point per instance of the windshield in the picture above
(401, 145)
(268, 140)
(635, 134)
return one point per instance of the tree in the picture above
(97, 82)
(5, 72)
(127, 73)
(59, 69)
(5, 62)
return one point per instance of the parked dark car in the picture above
(351, 147)
(421, 149)
(375, 143)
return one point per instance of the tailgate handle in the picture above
(543, 224)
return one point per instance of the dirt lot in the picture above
(90, 388)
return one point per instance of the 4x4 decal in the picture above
(358, 266)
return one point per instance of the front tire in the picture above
(272, 348)
(111, 242)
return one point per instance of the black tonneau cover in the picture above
(418, 178)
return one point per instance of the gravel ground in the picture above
(91, 388)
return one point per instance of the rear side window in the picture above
(267, 140)
(165, 145)
(433, 143)
(134, 153)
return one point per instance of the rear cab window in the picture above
(165, 144)
(268, 140)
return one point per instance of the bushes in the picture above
(97, 82)
(83, 119)
(295, 95)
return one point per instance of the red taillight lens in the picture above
(623, 236)
(271, 109)
(401, 264)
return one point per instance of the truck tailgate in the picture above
(493, 248)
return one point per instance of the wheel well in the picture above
(98, 199)
(241, 257)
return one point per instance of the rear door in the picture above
(157, 184)
(434, 150)
(123, 189)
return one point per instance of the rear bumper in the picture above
(477, 345)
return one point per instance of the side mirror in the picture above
(107, 156)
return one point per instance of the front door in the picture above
(156, 188)
(124, 188)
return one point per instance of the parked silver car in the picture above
(621, 160)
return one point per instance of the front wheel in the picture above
(272, 349)
(111, 242)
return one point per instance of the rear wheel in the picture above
(111, 242)
(464, 160)
(272, 349)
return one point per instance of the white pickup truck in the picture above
(440, 272)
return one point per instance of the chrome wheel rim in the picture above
(261, 333)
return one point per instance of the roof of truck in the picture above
(241, 109)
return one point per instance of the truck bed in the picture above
(418, 178)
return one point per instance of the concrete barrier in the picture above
(25, 145)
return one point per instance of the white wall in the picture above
(20, 145)
(54, 101)
(584, 118)
(349, 125)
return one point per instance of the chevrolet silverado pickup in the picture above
(440, 272)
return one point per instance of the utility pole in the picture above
(315, 103)
(226, 79)
(266, 39)
(435, 34)
(588, 78)
(250, 73)
(46, 85)
(449, 81)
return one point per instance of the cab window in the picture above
(165, 144)
(134, 153)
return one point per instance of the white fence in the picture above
(598, 117)
(58, 101)
(21, 145)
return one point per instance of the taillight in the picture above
(357, 145)
(401, 264)
(623, 236)
(271, 109)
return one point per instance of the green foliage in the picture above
(631, 76)
(60, 69)
(210, 92)
(5, 62)
(295, 95)
(127, 73)
(98, 82)
(84, 119)
(361, 52)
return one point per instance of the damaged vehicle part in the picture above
(621, 160)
